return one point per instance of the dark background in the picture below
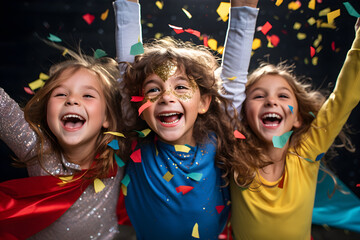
(25, 55)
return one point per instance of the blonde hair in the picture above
(107, 72)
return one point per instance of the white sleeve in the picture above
(237, 53)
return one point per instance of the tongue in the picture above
(73, 124)
(169, 118)
(273, 121)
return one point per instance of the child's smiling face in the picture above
(267, 107)
(176, 104)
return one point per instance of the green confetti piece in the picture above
(118, 160)
(114, 144)
(137, 49)
(309, 160)
(126, 180)
(312, 114)
(54, 38)
(143, 133)
(351, 10)
(280, 141)
(99, 53)
(195, 176)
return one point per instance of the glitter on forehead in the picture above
(166, 70)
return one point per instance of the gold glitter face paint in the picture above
(166, 70)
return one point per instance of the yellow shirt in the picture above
(285, 213)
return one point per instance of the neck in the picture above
(274, 171)
(81, 156)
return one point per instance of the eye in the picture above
(182, 87)
(282, 95)
(258, 96)
(88, 96)
(59, 95)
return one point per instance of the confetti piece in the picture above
(324, 12)
(136, 156)
(297, 26)
(137, 49)
(266, 28)
(144, 106)
(182, 148)
(104, 15)
(66, 51)
(280, 141)
(312, 4)
(223, 10)
(358, 185)
(119, 134)
(314, 61)
(332, 15)
(291, 108)
(205, 40)
(312, 51)
(319, 157)
(231, 78)
(328, 25)
(333, 45)
(43, 76)
(137, 99)
(28, 91)
(317, 41)
(158, 35)
(66, 178)
(99, 53)
(312, 114)
(311, 21)
(126, 180)
(144, 132)
(192, 31)
(98, 185)
(54, 38)
(124, 189)
(350, 9)
(118, 160)
(150, 25)
(195, 176)
(88, 18)
(274, 40)
(114, 144)
(212, 43)
(294, 5)
(159, 4)
(36, 84)
(220, 50)
(278, 2)
(239, 135)
(168, 176)
(301, 36)
(256, 44)
(187, 13)
(219, 208)
(195, 231)
(309, 160)
(184, 189)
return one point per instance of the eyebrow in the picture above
(279, 89)
(86, 87)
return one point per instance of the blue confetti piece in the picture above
(280, 141)
(312, 114)
(118, 160)
(54, 38)
(195, 176)
(114, 144)
(319, 156)
(291, 108)
(126, 180)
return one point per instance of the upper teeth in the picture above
(72, 116)
(167, 114)
(272, 115)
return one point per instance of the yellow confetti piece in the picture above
(317, 41)
(158, 35)
(269, 45)
(150, 25)
(223, 11)
(187, 13)
(294, 5)
(297, 26)
(124, 189)
(256, 43)
(159, 4)
(115, 134)
(306, 61)
(212, 43)
(195, 231)
(231, 78)
(312, 4)
(324, 12)
(104, 15)
(319, 49)
(301, 36)
(66, 179)
(314, 61)
(278, 2)
(220, 49)
(156, 151)
(182, 148)
(168, 176)
(36, 84)
(43, 76)
(327, 25)
(311, 21)
(98, 185)
(146, 131)
(332, 15)
(65, 52)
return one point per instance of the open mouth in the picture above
(72, 121)
(271, 119)
(169, 118)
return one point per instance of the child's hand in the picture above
(357, 24)
(242, 3)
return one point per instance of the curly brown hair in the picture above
(107, 72)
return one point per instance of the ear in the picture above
(298, 121)
(106, 123)
(204, 104)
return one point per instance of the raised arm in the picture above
(237, 54)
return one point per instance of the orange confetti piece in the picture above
(312, 4)
(219, 208)
(278, 2)
(137, 98)
(239, 135)
(144, 106)
(212, 43)
(294, 5)
(104, 15)
(312, 51)
(256, 43)
(88, 18)
(184, 189)
(136, 156)
(266, 28)
(223, 11)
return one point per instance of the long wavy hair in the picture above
(107, 72)
(198, 63)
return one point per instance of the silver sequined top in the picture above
(93, 215)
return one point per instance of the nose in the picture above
(270, 101)
(70, 101)
(167, 97)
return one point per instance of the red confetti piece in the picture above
(239, 135)
(184, 189)
(266, 28)
(133, 145)
(312, 51)
(358, 185)
(178, 31)
(333, 45)
(274, 40)
(28, 91)
(144, 106)
(137, 99)
(136, 156)
(88, 18)
(192, 31)
(219, 208)
(206, 41)
(281, 183)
